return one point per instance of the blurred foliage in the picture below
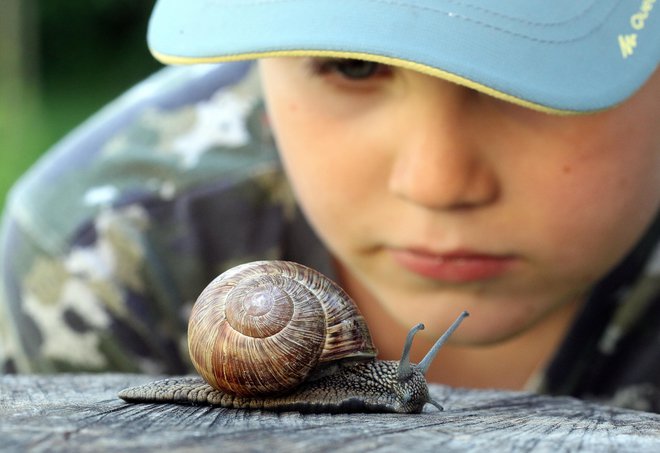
(78, 55)
(96, 38)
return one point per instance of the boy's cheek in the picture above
(585, 238)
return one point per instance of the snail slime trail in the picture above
(280, 336)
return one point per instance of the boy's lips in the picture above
(459, 266)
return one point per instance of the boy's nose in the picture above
(437, 163)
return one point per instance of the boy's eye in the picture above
(350, 69)
(356, 69)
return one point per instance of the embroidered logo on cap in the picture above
(628, 42)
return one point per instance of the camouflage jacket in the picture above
(108, 240)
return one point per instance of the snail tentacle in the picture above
(428, 359)
(405, 368)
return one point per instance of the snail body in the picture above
(280, 336)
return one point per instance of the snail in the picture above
(279, 336)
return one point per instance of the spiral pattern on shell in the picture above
(262, 327)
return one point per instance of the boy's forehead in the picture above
(559, 56)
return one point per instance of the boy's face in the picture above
(438, 198)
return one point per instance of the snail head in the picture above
(406, 369)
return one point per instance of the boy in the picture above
(448, 155)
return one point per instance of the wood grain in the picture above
(83, 413)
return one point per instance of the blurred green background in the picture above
(60, 61)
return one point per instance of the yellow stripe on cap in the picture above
(419, 67)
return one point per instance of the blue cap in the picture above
(562, 56)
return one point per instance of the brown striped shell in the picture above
(261, 328)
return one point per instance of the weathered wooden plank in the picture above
(82, 413)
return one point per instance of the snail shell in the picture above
(264, 327)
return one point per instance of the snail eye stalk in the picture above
(405, 368)
(424, 365)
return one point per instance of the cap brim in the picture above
(558, 56)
